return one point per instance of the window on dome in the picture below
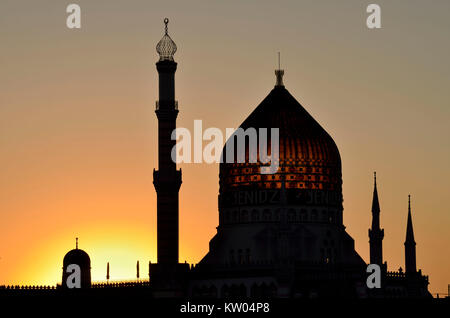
(247, 255)
(236, 216)
(266, 215)
(255, 215)
(314, 215)
(244, 216)
(303, 216)
(291, 215)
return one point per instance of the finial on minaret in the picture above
(279, 73)
(76, 243)
(166, 47)
(375, 178)
(279, 61)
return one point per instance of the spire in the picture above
(166, 47)
(107, 271)
(375, 202)
(376, 234)
(409, 226)
(279, 73)
(76, 243)
(410, 244)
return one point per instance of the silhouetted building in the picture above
(411, 283)
(80, 258)
(279, 235)
(282, 234)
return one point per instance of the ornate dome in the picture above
(308, 157)
(293, 215)
(166, 47)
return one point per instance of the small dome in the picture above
(166, 47)
(80, 258)
(77, 256)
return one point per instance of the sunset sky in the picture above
(78, 132)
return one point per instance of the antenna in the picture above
(137, 270)
(279, 61)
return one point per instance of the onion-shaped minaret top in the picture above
(166, 47)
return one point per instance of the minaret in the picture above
(167, 179)
(410, 244)
(376, 234)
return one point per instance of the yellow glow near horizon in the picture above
(122, 248)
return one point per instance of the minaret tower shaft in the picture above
(410, 244)
(167, 179)
(376, 234)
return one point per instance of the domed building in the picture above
(284, 229)
(80, 258)
(280, 234)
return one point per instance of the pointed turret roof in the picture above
(409, 226)
(375, 202)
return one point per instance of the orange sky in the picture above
(78, 129)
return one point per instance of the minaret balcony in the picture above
(167, 181)
(167, 105)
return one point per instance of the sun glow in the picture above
(121, 247)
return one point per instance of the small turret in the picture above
(410, 244)
(376, 234)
